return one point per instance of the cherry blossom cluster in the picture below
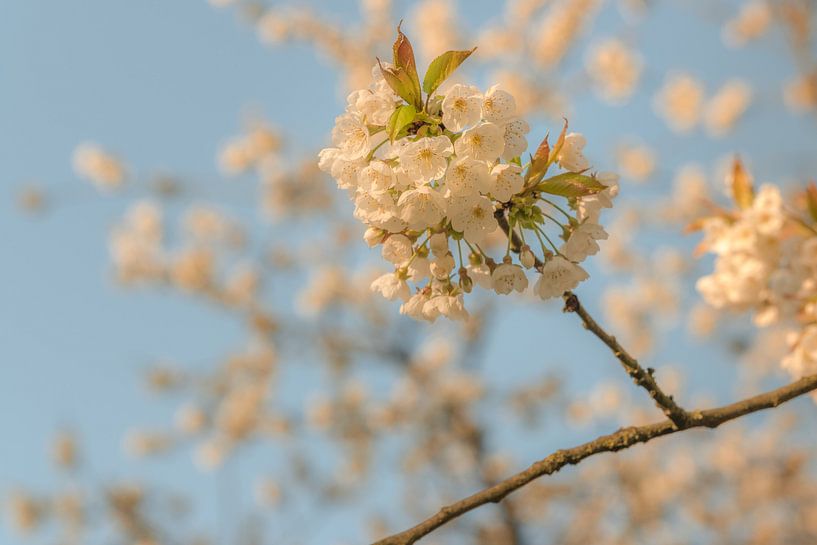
(436, 178)
(766, 264)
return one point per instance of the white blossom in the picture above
(422, 207)
(558, 276)
(467, 176)
(450, 306)
(426, 159)
(414, 306)
(378, 210)
(461, 107)
(515, 140)
(498, 105)
(571, 156)
(509, 277)
(484, 142)
(582, 241)
(351, 136)
(392, 287)
(377, 176)
(397, 249)
(374, 108)
(590, 207)
(472, 216)
(506, 181)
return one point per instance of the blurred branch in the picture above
(621, 439)
(509, 519)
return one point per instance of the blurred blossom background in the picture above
(191, 353)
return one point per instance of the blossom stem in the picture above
(557, 207)
(516, 242)
(478, 250)
(541, 242)
(481, 251)
(414, 253)
(555, 249)
(554, 220)
(371, 153)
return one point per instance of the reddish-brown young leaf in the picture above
(742, 191)
(401, 84)
(539, 162)
(554, 152)
(404, 60)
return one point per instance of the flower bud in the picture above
(373, 236)
(465, 281)
(526, 257)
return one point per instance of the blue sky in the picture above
(164, 83)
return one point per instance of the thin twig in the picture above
(641, 377)
(621, 439)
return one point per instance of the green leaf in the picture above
(402, 116)
(401, 83)
(571, 184)
(442, 67)
(742, 191)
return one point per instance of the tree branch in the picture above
(640, 376)
(621, 439)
